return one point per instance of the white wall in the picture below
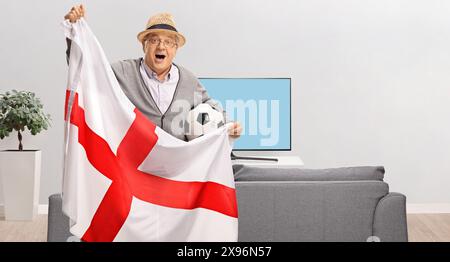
(370, 78)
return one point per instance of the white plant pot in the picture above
(20, 173)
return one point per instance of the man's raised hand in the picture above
(75, 13)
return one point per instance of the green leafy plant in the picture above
(20, 109)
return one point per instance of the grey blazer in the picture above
(188, 94)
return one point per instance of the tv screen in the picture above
(261, 105)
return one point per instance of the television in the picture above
(261, 105)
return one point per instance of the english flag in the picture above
(125, 179)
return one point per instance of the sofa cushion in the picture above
(308, 211)
(249, 173)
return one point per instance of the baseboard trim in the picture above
(429, 208)
(42, 210)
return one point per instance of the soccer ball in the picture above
(202, 120)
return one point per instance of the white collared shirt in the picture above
(161, 91)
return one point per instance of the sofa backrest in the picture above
(249, 173)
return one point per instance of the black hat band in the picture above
(163, 26)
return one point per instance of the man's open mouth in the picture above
(160, 57)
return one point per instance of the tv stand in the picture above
(291, 161)
(235, 157)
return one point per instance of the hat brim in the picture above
(181, 40)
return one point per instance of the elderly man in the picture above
(161, 90)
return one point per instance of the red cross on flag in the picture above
(125, 179)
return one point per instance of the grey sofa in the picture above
(338, 204)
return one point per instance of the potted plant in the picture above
(20, 169)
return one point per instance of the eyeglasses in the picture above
(166, 42)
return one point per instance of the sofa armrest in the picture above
(389, 223)
(58, 222)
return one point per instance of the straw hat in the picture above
(161, 23)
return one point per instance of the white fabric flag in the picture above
(126, 179)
